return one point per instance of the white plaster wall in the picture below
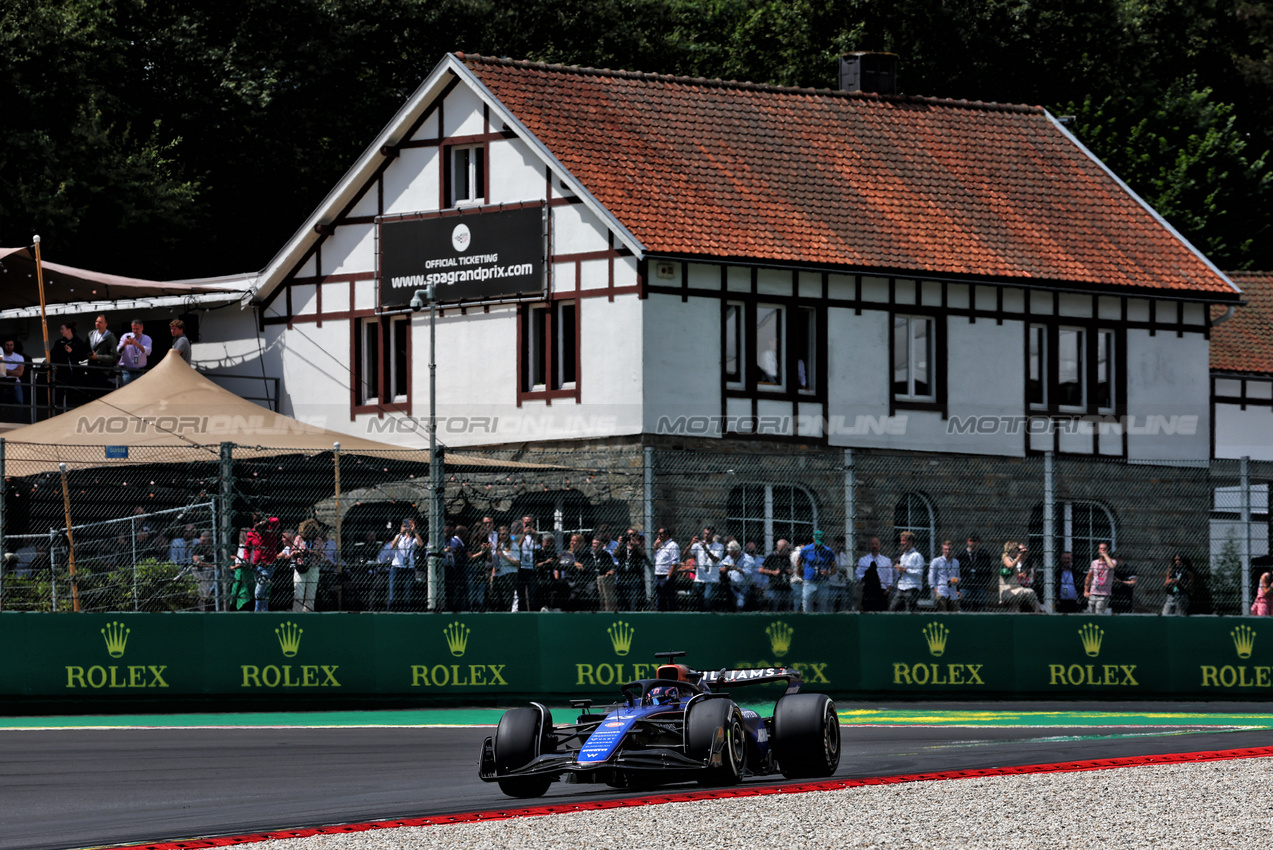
(412, 182)
(1168, 382)
(351, 249)
(462, 113)
(985, 374)
(1244, 433)
(682, 360)
(857, 378)
(576, 230)
(610, 350)
(313, 364)
(517, 174)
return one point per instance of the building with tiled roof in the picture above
(1242, 371)
(623, 258)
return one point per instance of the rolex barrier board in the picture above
(492, 657)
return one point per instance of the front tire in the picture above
(519, 740)
(714, 733)
(806, 736)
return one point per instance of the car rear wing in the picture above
(732, 678)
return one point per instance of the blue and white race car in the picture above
(680, 726)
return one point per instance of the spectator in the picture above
(262, 550)
(667, 562)
(633, 570)
(525, 540)
(742, 569)
(14, 370)
(578, 570)
(180, 342)
(943, 579)
(600, 568)
(102, 356)
(977, 579)
(1121, 600)
(505, 565)
(1011, 593)
(1263, 604)
(457, 561)
(547, 561)
(816, 563)
(910, 574)
(481, 560)
(776, 568)
(1099, 582)
(243, 582)
(874, 574)
(179, 549)
(402, 568)
(1178, 586)
(707, 551)
(1067, 586)
(306, 554)
(65, 352)
(134, 348)
(203, 562)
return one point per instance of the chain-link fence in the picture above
(1192, 535)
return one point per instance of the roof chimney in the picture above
(869, 72)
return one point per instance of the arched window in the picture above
(914, 513)
(767, 513)
(1079, 528)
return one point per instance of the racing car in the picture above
(680, 726)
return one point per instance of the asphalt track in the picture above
(96, 781)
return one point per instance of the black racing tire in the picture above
(519, 739)
(806, 736)
(704, 722)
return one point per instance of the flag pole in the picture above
(44, 326)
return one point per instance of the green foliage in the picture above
(193, 137)
(1224, 578)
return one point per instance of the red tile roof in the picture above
(714, 169)
(1245, 342)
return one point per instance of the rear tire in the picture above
(716, 725)
(519, 740)
(806, 736)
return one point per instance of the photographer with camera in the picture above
(1015, 569)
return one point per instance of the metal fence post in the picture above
(225, 555)
(850, 506)
(1245, 568)
(4, 547)
(648, 522)
(1049, 536)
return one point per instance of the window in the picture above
(1082, 376)
(382, 361)
(913, 358)
(913, 513)
(1079, 528)
(549, 343)
(767, 513)
(733, 360)
(1036, 385)
(804, 348)
(1069, 368)
(769, 346)
(467, 175)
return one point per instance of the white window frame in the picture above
(778, 314)
(808, 317)
(903, 325)
(769, 514)
(1037, 361)
(534, 347)
(462, 163)
(398, 330)
(738, 325)
(370, 355)
(1081, 367)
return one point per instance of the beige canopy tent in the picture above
(173, 414)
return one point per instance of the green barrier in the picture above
(424, 658)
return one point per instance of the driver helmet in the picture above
(664, 694)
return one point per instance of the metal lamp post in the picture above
(436, 600)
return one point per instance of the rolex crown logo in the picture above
(621, 637)
(1092, 635)
(935, 635)
(1243, 640)
(457, 638)
(779, 637)
(289, 638)
(116, 635)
